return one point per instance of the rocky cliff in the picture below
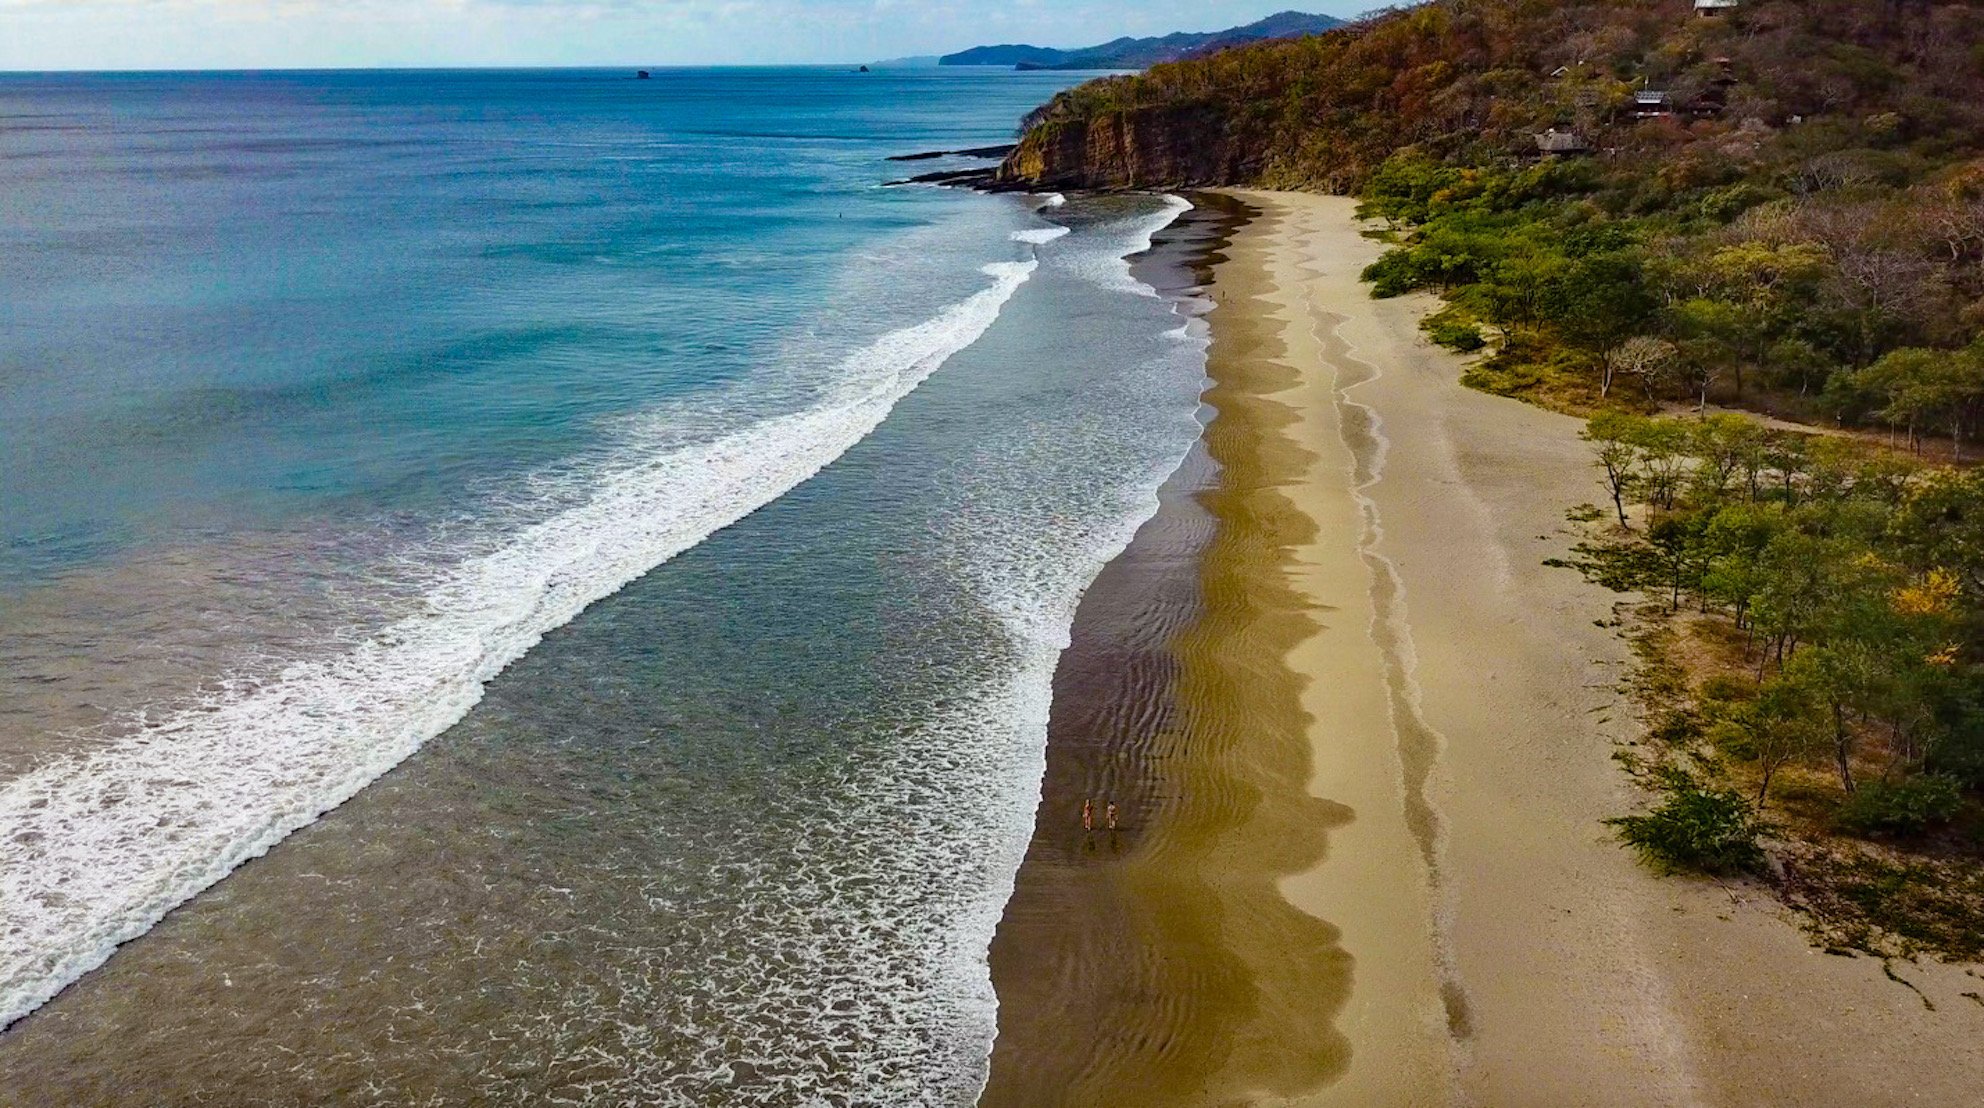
(1472, 83)
(1159, 147)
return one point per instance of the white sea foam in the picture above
(847, 995)
(1036, 598)
(96, 850)
(1053, 200)
(1111, 269)
(890, 994)
(1037, 605)
(1039, 236)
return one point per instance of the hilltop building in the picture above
(1562, 144)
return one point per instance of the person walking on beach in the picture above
(1088, 814)
(1110, 816)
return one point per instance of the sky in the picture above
(253, 34)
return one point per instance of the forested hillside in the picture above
(1780, 196)
(1473, 80)
(1636, 207)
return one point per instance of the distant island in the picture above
(1140, 53)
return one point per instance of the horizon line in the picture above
(651, 67)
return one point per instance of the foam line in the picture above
(95, 850)
(1039, 236)
(1112, 270)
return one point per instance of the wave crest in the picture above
(95, 850)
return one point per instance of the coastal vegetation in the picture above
(1631, 210)
(1811, 622)
(1781, 207)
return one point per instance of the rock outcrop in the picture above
(1167, 147)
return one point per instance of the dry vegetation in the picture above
(1780, 209)
(1806, 641)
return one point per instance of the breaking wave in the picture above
(96, 849)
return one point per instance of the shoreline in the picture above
(1167, 956)
(1373, 868)
(1114, 726)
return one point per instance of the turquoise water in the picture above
(599, 552)
(232, 300)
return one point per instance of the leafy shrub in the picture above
(1502, 378)
(1695, 829)
(1901, 807)
(1723, 205)
(1523, 364)
(1455, 330)
(1730, 736)
(1957, 751)
(1419, 265)
(1728, 708)
(1394, 274)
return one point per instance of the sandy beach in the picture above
(1371, 868)
(1158, 963)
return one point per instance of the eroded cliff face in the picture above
(1143, 148)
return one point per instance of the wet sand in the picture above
(1364, 861)
(1160, 964)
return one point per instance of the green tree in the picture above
(1614, 437)
(1737, 536)
(1599, 302)
(1723, 445)
(1788, 456)
(1940, 525)
(1518, 290)
(1664, 459)
(1800, 575)
(1956, 394)
(1715, 335)
(1403, 190)
(1783, 726)
(1840, 676)
(1762, 282)
(1902, 379)
(1677, 540)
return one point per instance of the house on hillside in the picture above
(1561, 144)
(1649, 103)
(1711, 9)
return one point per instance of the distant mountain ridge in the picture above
(1141, 53)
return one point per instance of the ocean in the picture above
(540, 586)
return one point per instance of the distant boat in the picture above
(643, 76)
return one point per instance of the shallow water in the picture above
(333, 399)
(1153, 956)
